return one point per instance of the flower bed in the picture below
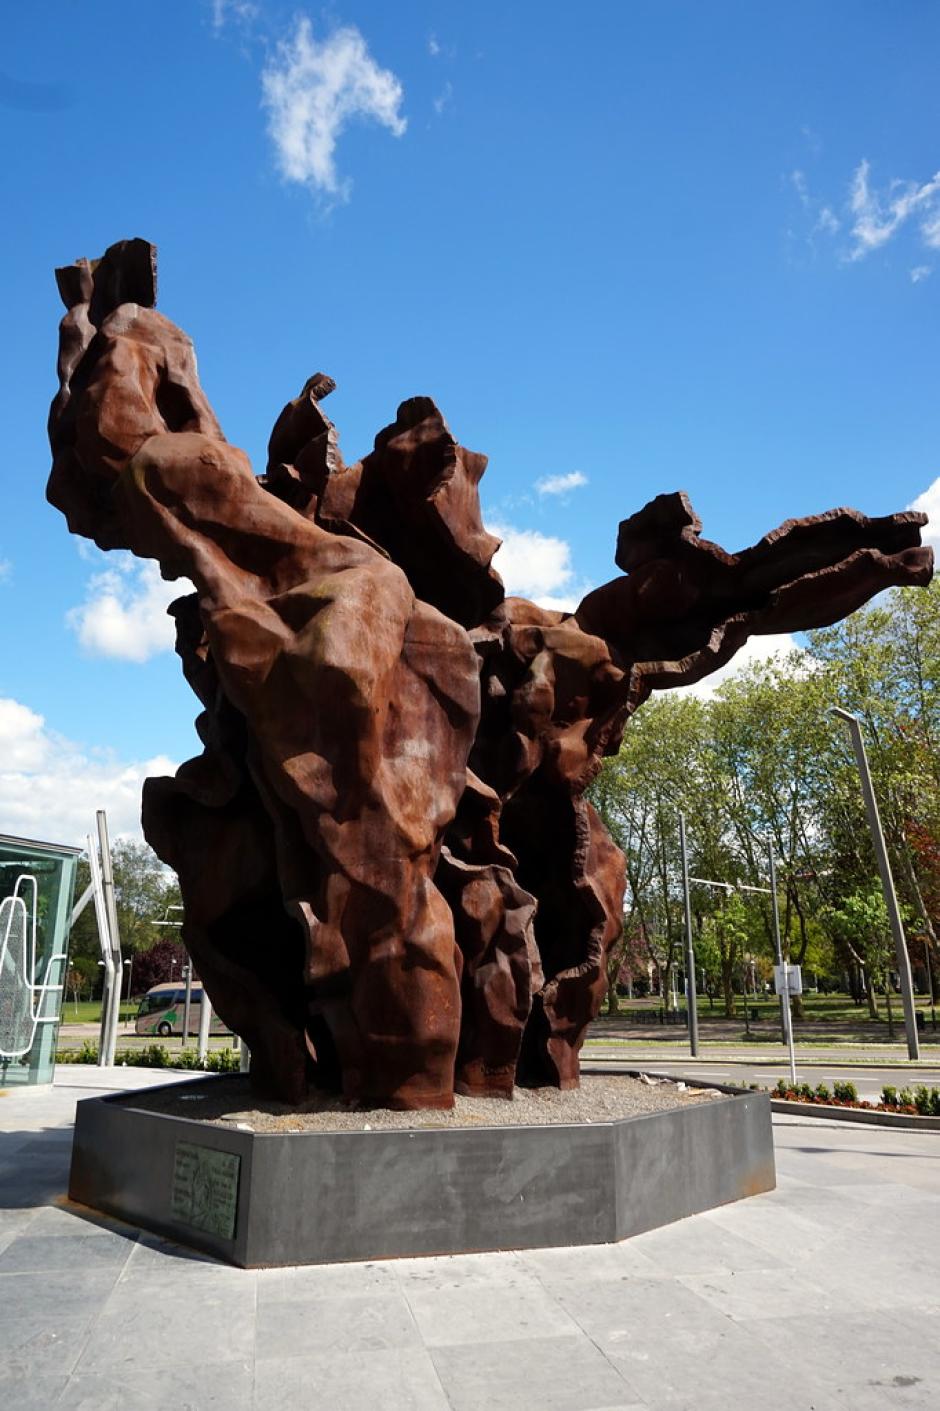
(919, 1101)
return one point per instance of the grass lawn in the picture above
(817, 1009)
(88, 1011)
(127, 1039)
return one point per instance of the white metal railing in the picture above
(22, 994)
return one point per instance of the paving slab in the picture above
(555, 1373)
(396, 1379)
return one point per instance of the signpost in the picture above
(788, 979)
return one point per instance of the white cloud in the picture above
(241, 11)
(561, 484)
(825, 221)
(50, 787)
(930, 230)
(874, 217)
(813, 140)
(531, 564)
(312, 89)
(444, 97)
(878, 216)
(439, 50)
(755, 649)
(124, 613)
(6, 570)
(21, 733)
(566, 603)
(929, 504)
(798, 179)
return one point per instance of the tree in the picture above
(639, 795)
(885, 662)
(162, 961)
(763, 762)
(728, 926)
(860, 925)
(143, 890)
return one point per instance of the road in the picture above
(767, 1069)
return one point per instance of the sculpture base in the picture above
(271, 1198)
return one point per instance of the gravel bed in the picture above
(600, 1098)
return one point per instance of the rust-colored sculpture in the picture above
(394, 885)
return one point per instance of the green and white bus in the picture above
(162, 1009)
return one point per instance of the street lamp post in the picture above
(930, 989)
(692, 998)
(129, 967)
(112, 975)
(187, 1003)
(785, 1013)
(887, 880)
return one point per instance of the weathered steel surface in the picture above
(393, 882)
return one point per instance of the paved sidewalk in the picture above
(822, 1294)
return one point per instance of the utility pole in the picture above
(205, 1019)
(887, 880)
(187, 1003)
(116, 974)
(692, 999)
(784, 967)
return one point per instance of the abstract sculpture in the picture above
(394, 886)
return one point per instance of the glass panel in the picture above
(36, 886)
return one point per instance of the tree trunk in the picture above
(872, 1000)
(727, 988)
(910, 876)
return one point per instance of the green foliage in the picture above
(161, 961)
(219, 1060)
(143, 888)
(926, 1101)
(764, 760)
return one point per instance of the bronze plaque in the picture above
(205, 1188)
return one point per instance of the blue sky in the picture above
(627, 247)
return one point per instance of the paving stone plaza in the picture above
(822, 1294)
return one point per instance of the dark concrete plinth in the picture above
(324, 1197)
